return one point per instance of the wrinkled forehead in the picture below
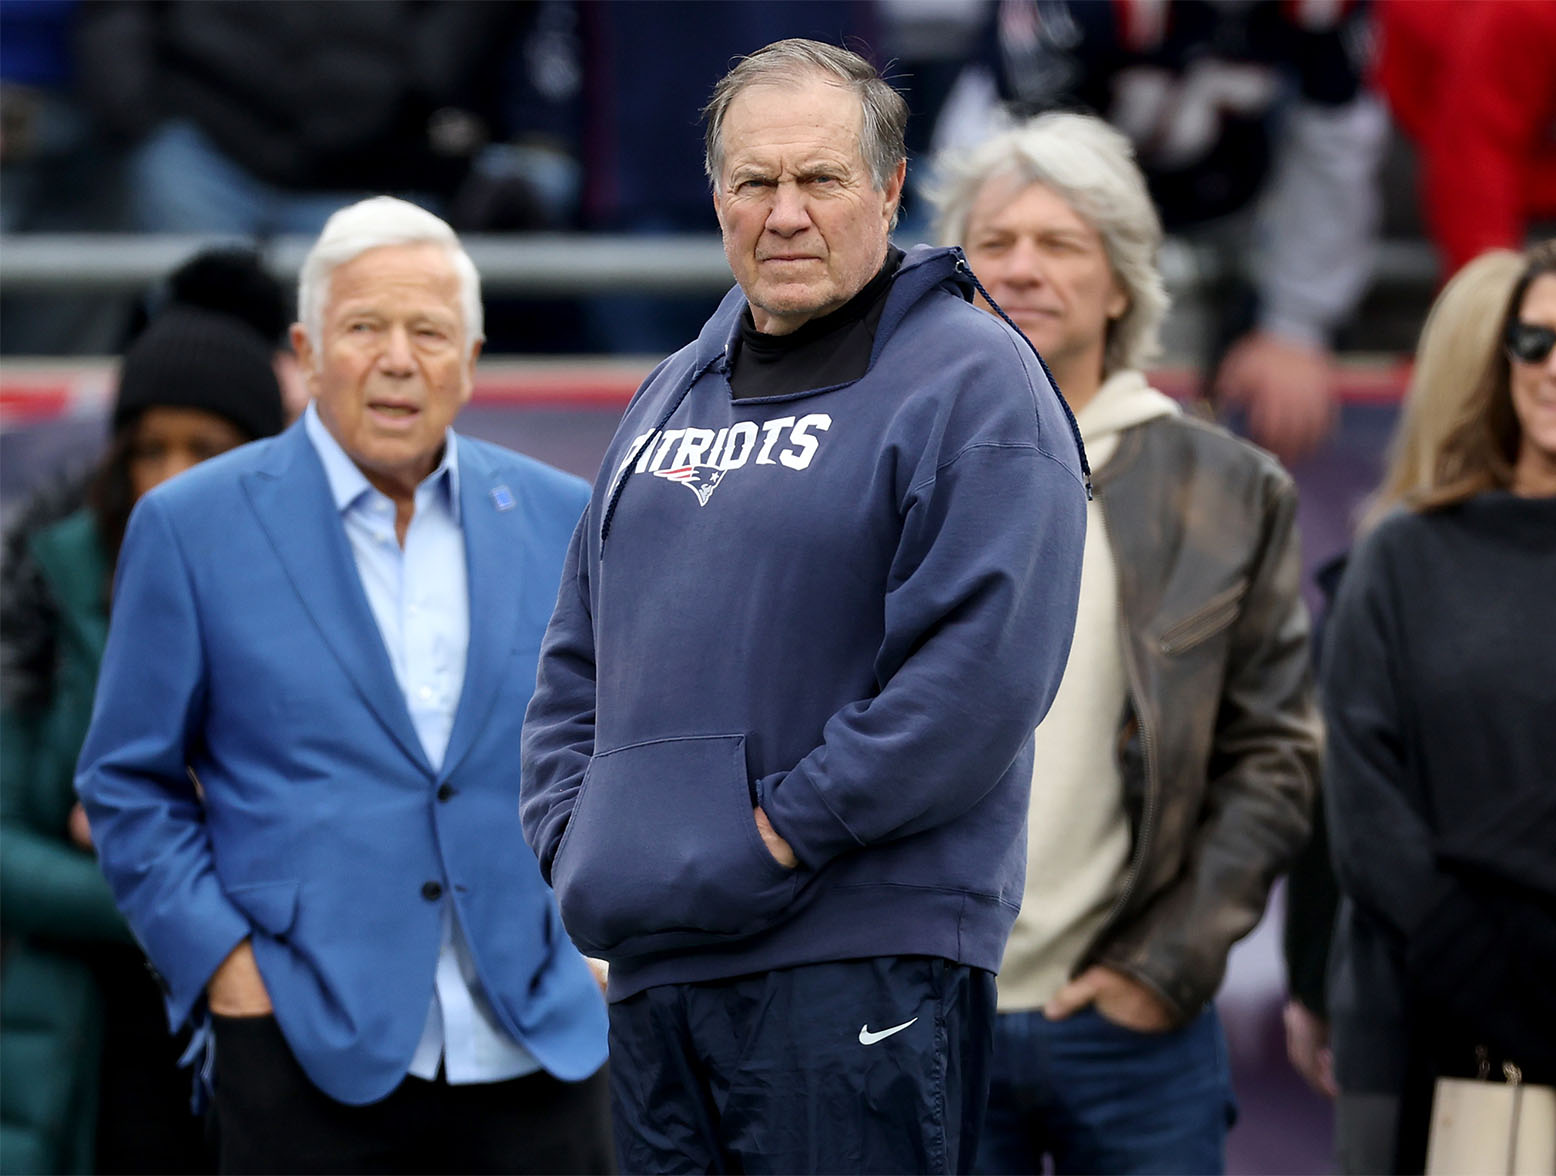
(420, 272)
(806, 111)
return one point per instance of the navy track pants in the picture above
(858, 1066)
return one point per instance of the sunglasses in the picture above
(1528, 343)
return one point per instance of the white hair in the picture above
(1091, 167)
(371, 224)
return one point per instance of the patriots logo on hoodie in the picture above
(701, 480)
(699, 458)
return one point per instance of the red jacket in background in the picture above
(1473, 83)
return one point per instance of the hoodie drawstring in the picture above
(1075, 429)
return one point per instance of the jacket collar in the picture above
(491, 512)
(348, 483)
(291, 497)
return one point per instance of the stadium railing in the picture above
(558, 264)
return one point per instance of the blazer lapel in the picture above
(292, 499)
(495, 556)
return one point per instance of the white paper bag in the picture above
(1491, 1129)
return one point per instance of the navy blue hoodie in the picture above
(851, 606)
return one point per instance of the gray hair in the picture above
(885, 112)
(370, 224)
(1091, 167)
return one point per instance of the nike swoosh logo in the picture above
(868, 1038)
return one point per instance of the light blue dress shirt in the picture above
(421, 600)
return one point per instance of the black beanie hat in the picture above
(235, 282)
(192, 358)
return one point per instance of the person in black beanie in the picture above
(101, 1089)
(233, 280)
(193, 384)
(229, 279)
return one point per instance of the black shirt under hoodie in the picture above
(832, 349)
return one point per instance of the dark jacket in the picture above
(1312, 892)
(53, 900)
(850, 605)
(1441, 783)
(1221, 738)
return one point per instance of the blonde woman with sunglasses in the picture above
(1439, 694)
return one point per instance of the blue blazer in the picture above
(252, 770)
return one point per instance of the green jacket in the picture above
(52, 895)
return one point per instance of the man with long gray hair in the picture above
(777, 760)
(1175, 769)
(300, 772)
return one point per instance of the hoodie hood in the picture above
(1124, 401)
(923, 268)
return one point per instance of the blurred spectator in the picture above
(532, 176)
(90, 1081)
(233, 280)
(58, 173)
(1257, 137)
(1174, 770)
(534, 179)
(1473, 83)
(649, 69)
(1455, 340)
(927, 43)
(53, 163)
(265, 116)
(1438, 692)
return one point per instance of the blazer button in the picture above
(445, 792)
(431, 891)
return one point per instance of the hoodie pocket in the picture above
(662, 851)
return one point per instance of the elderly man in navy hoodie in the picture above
(777, 761)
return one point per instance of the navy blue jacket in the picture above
(851, 606)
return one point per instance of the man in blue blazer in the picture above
(302, 774)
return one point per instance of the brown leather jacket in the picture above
(1221, 738)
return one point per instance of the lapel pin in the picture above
(502, 498)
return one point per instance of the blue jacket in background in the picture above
(852, 606)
